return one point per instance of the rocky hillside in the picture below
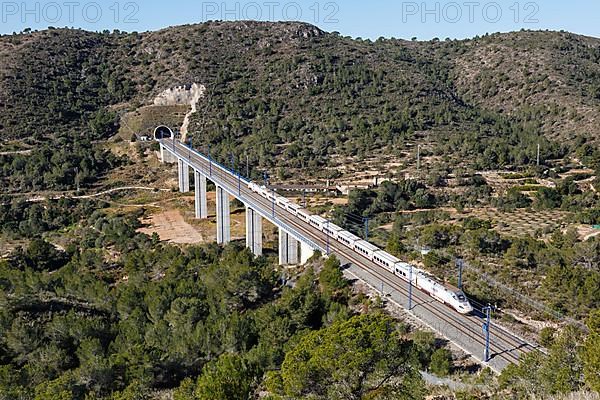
(548, 75)
(273, 88)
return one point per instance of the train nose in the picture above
(465, 308)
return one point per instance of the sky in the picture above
(421, 19)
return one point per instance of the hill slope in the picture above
(294, 91)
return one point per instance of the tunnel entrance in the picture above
(163, 132)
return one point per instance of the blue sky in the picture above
(424, 19)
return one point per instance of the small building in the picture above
(142, 137)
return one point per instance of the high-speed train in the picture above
(443, 293)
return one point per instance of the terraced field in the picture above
(524, 222)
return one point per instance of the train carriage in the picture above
(405, 270)
(303, 215)
(366, 249)
(293, 208)
(347, 239)
(254, 187)
(385, 260)
(264, 192)
(317, 221)
(332, 230)
(282, 202)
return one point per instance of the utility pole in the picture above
(209, 161)
(538, 155)
(304, 197)
(247, 166)
(486, 331)
(327, 232)
(273, 203)
(459, 264)
(418, 157)
(77, 178)
(410, 274)
(366, 220)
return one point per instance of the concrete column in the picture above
(200, 191)
(184, 176)
(166, 156)
(254, 232)
(180, 174)
(306, 252)
(223, 217)
(288, 249)
(184, 172)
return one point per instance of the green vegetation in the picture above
(591, 354)
(112, 314)
(60, 81)
(556, 374)
(361, 358)
(388, 198)
(441, 362)
(118, 315)
(20, 219)
(62, 164)
(572, 361)
(549, 266)
(288, 94)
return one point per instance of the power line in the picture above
(354, 219)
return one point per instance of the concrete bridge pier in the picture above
(254, 232)
(288, 249)
(223, 217)
(166, 156)
(306, 252)
(184, 176)
(200, 192)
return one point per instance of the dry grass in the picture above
(171, 227)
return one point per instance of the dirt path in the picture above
(591, 235)
(10, 153)
(89, 196)
(171, 227)
(70, 195)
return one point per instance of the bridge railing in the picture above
(247, 201)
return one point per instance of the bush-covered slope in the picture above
(294, 91)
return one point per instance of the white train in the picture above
(444, 293)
